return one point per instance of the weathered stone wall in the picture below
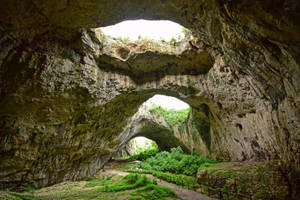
(127, 150)
(62, 115)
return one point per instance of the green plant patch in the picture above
(147, 190)
(17, 196)
(128, 182)
(99, 182)
(175, 162)
(153, 192)
(173, 117)
(143, 155)
(178, 179)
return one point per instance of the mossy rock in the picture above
(261, 181)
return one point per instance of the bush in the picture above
(175, 162)
(143, 155)
(178, 179)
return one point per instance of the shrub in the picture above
(178, 179)
(143, 155)
(175, 162)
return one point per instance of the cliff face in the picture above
(66, 103)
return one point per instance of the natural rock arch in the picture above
(62, 116)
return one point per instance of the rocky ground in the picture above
(227, 180)
(81, 190)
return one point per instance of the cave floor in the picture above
(84, 189)
(117, 166)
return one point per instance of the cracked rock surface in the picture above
(66, 100)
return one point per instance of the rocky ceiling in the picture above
(64, 113)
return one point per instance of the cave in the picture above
(151, 122)
(134, 146)
(70, 97)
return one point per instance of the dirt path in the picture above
(183, 193)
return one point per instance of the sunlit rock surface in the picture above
(63, 112)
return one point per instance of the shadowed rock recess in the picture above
(69, 97)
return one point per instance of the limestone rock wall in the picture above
(62, 115)
(127, 150)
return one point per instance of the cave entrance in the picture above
(161, 119)
(166, 102)
(159, 31)
(135, 146)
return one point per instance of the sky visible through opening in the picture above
(165, 102)
(142, 142)
(168, 102)
(157, 30)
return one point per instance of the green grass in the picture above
(178, 179)
(17, 196)
(173, 117)
(147, 189)
(175, 162)
(153, 192)
(99, 182)
(135, 186)
(143, 155)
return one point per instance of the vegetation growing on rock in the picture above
(173, 117)
(178, 179)
(143, 154)
(260, 181)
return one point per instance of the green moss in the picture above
(173, 117)
(99, 182)
(201, 122)
(262, 181)
(222, 172)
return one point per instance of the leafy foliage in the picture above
(149, 144)
(128, 182)
(144, 152)
(173, 117)
(175, 162)
(172, 41)
(153, 192)
(147, 189)
(178, 179)
(184, 30)
(143, 155)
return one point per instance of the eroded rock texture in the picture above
(63, 113)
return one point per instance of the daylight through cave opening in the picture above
(159, 119)
(160, 31)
